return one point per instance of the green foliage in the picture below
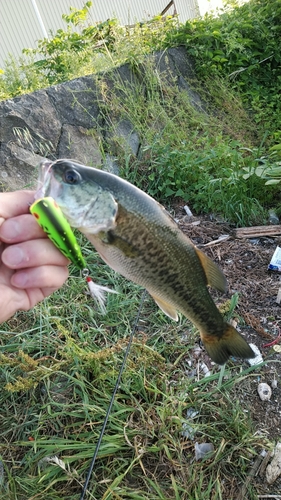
(185, 154)
(242, 45)
(268, 167)
(81, 49)
(217, 160)
(59, 55)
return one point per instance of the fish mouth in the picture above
(47, 184)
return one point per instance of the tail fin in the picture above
(231, 343)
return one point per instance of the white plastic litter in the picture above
(258, 359)
(275, 263)
(202, 450)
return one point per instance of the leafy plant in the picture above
(82, 48)
(242, 45)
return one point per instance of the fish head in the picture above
(86, 204)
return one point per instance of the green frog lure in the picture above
(51, 219)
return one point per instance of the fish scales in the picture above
(151, 254)
(136, 236)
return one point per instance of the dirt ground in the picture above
(245, 265)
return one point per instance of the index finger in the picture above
(15, 203)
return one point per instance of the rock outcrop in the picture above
(69, 120)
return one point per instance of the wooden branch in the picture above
(220, 239)
(257, 231)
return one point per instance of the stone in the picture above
(33, 112)
(124, 130)
(264, 391)
(71, 119)
(110, 165)
(273, 470)
(18, 168)
(76, 102)
(78, 143)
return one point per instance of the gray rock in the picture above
(273, 470)
(18, 168)
(78, 143)
(76, 102)
(110, 165)
(33, 112)
(70, 120)
(123, 133)
(264, 391)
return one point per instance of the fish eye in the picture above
(72, 177)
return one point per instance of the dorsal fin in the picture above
(214, 275)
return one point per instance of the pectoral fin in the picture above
(214, 275)
(166, 308)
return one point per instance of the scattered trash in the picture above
(275, 263)
(275, 341)
(277, 348)
(258, 358)
(264, 391)
(205, 369)
(278, 298)
(273, 218)
(188, 211)
(274, 384)
(191, 413)
(203, 450)
(273, 470)
(255, 241)
(197, 351)
(51, 460)
(188, 430)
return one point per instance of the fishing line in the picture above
(50, 217)
(116, 387)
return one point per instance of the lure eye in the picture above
(72, 177)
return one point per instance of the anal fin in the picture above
(166, 308)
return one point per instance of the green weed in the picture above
(186, 153)
(217, 157)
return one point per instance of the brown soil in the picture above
(245, 265)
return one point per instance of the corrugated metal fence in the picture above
(23, 22)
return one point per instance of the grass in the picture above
(59, 363)
(199, 155)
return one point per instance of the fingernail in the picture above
(10, 230)
(20, 279)
(13, 256)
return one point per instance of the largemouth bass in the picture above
(137, 237)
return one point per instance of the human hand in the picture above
(31, 267)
